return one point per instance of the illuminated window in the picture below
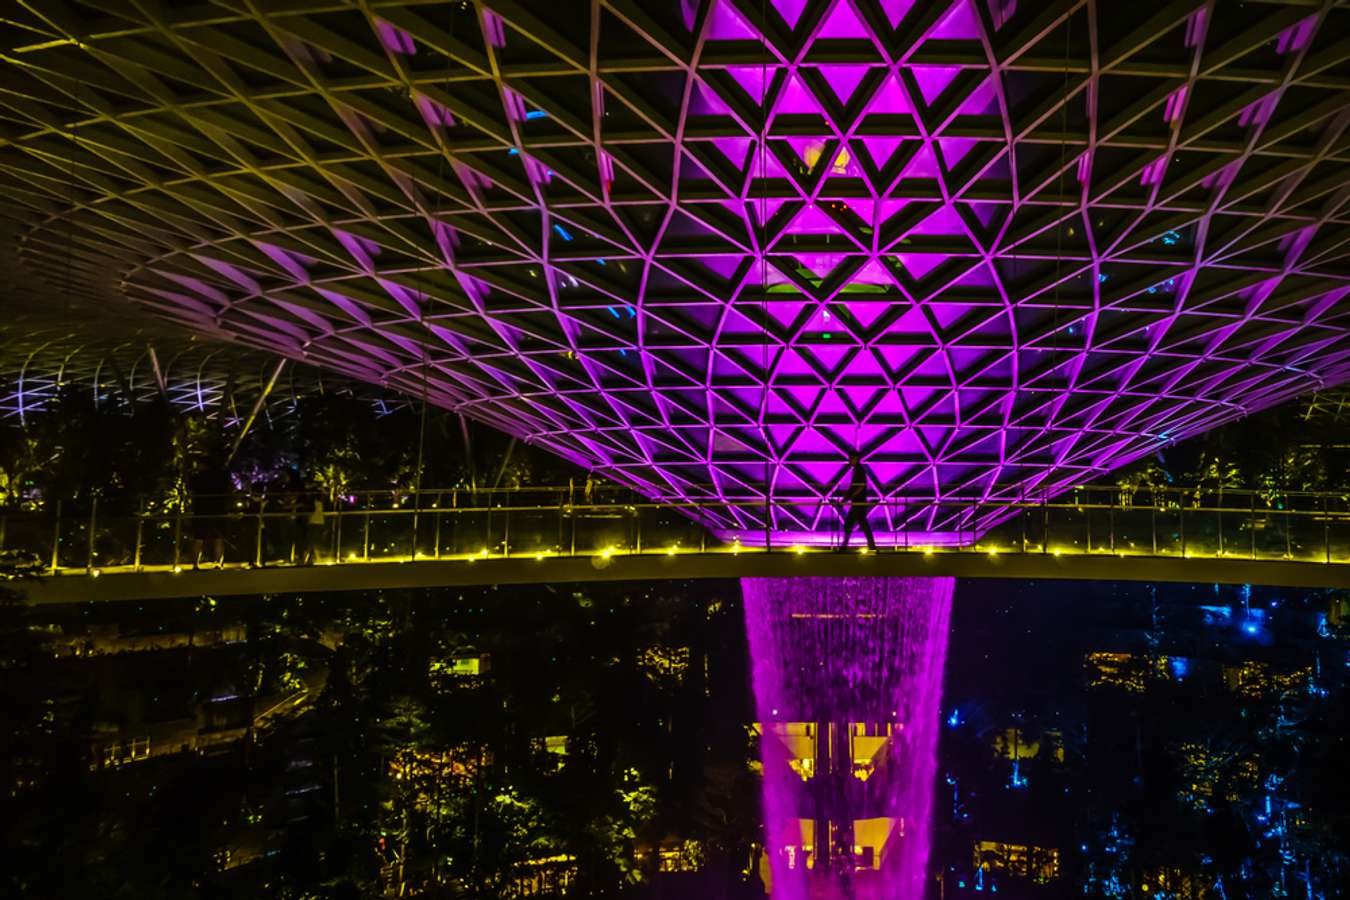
(687, 856)
(868, 741)
(1176, 884)
(1119, 670)
(660, 662)
(1040, 864)
(1257, 679)
(1206, 773)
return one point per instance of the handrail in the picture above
(435, 524)
(714, 498)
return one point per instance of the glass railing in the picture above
(386, 526)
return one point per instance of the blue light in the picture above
(1102, 277)
(1018, 780)
(632, 312)
(562, 232)
(1180, 667)
(1171, 238)
(613, 312)
(514, 151)
(535, 114)
(954, 720)
(1250, 628)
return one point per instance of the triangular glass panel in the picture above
(831, 358)
(707, 102)
(790, 10)
(920, 264)
(801, 397)
(867, 313)
(890, 99)
(880, 149)
(981, 102)
(923, 165)
(727, 25)
(790, 364)
(844, 80)
(959, 24)
(735, 149)
(933, 80)
(751, 79)
(842, 22)
(985, 213)
(797, 98)
(980, 276)
(723, 266)
(896, 10)
(820, 264)
(954, 150)
(813, 220)
(942, 221)
(865, 365)
(874, 273)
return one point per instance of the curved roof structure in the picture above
(39, 361)
(712, 247)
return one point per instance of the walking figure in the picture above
(859, 504)
(316, 532)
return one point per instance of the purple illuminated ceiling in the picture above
(710, 247)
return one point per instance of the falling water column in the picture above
(848, 683)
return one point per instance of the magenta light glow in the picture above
(848, 684)
(742, 242)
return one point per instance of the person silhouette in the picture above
(859, 504)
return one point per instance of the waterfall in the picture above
(848, 684)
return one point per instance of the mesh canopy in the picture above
(711, 248)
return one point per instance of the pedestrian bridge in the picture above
(133, 551)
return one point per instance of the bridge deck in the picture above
(161, 583)
(540, 535)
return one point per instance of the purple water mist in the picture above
(848, 682)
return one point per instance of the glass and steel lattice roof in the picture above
(712, 248)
